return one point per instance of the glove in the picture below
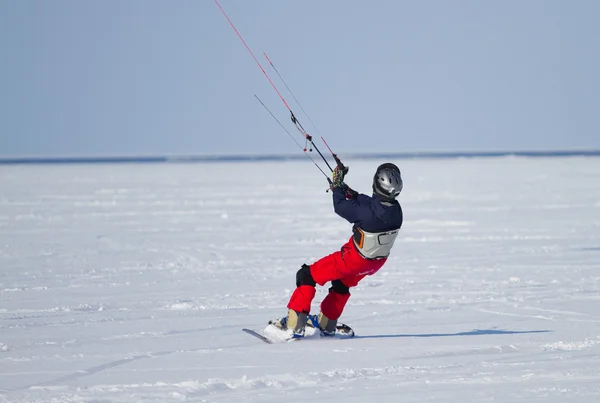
(338, 178)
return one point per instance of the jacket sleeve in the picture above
(353, 210)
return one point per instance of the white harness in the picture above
(374, 245)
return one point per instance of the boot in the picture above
(327, 326)
(294, 321)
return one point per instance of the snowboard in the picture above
(272, 334)
(257, 335)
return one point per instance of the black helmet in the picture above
(387, 181)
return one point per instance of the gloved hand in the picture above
(338, 178)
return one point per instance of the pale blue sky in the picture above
(170, 77)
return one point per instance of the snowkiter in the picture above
(377, 220)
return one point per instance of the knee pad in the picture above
(339, 287)
(303, 277)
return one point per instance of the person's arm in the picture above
(352, 209)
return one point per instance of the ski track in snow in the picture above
(128, 283)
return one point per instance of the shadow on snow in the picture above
(474, 332)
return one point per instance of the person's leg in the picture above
(339, 293)
(326, 269)
(299, 304)
(304, 292)
(320, 272)
(335, 266)
(333, 306)
(346, 264)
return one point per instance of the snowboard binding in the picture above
(341, 329)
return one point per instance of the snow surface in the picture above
(131, 282)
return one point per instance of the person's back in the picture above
(375, 217)
(370, 213)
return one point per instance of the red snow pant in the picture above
(346, 265)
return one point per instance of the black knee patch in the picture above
(339, 287)
(303, 277)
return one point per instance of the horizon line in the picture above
(181, 158)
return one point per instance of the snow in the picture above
(131, 283)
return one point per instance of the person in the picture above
(376, 221)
